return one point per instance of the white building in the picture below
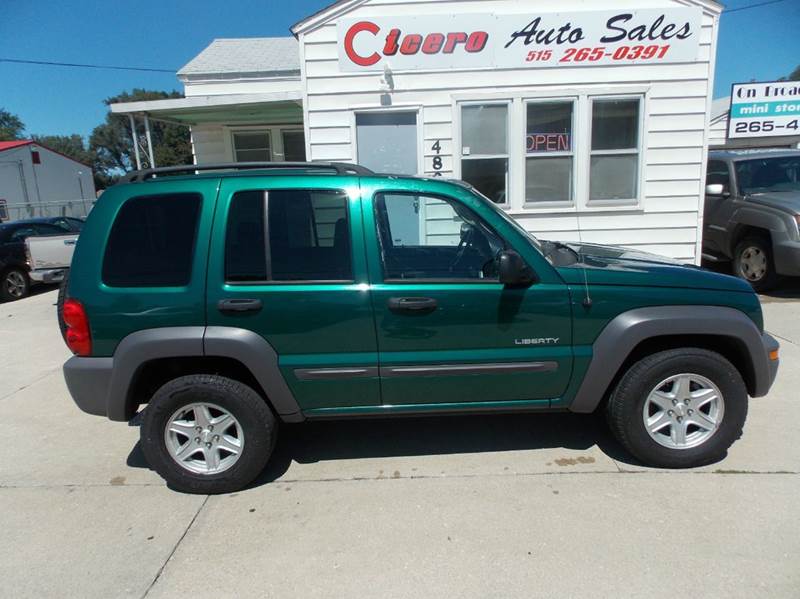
(594, 129)
(38, 181)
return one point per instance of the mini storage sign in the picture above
(440, 42)
(764, 109)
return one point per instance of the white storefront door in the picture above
(387, 142)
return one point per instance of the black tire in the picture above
(10, 280)
(625, 409)
(257, 421)
(761, 247)
(62, 295)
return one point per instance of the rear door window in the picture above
(152, 241)
(288, 235)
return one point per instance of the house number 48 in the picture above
(437, 160)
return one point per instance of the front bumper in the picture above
(770, 345)
(787, 257)
(47, 275)
(89, 383)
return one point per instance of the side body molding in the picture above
(260, 358)
(627, 330)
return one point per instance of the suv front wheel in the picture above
(207, 434)
(753, 262)
(679, 408)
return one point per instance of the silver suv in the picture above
(752, 214)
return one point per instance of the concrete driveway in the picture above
(503, 506)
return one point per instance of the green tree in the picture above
(11, 127)
(112, 146)
(794, 75)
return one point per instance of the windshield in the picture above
(509, 220)
(765, 175)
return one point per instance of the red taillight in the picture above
(79, 338)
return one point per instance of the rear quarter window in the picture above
(152, 241)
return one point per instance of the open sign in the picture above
(548, 142)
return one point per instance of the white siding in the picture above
(220, 87)
(677, 97)
(210, 144)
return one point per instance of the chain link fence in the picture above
(76, 208)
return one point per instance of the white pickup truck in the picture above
(49, 257)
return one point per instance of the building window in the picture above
(484, 149)
(614, 160)
(305, 236)
(294, 146)
(252, 146)
(549, 152)
(152, 241)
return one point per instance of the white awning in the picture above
(283, 106)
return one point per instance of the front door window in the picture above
(434, 239)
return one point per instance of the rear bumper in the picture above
(48, 275)
(89, 383)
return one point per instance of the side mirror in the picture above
(512, 269)
(716, 189)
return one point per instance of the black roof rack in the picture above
(339, 168)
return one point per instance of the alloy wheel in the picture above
(683, 411)
(15, 284)
(204, 438)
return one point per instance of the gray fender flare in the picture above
(252, 350)
(139, 348)
(627, 330)
(245, 346)
(762, 217)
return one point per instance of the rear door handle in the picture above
(412, 305)
(239, 305)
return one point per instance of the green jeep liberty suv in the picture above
(230, 298)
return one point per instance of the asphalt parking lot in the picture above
(477, 506)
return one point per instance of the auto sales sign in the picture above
(440, 42)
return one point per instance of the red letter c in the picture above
(362, 61)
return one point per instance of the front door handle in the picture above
(239, 305)
(412, 305)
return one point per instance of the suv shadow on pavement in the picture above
(322, 441)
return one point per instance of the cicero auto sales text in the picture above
(619, 28)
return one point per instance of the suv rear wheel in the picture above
(207, 434)
(679, 408)
(753, 262)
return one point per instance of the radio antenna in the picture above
(587, 299)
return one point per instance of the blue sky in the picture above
(761, 44)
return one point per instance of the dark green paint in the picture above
(348, 324)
